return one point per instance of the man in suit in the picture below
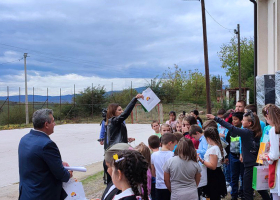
(41, 169)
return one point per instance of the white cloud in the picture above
(66, 82)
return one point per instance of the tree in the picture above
(88, 102)
(173, 81)
(194, 89)
(123, 98)
(229, 57)
(215, 84)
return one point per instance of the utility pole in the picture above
(208, 99)
(26, 95)
(237, 32)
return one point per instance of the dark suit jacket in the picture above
(40, 168)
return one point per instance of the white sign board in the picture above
(150, 99)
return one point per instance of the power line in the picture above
(11, 61)
(218, 22)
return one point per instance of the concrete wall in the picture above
(268, 36)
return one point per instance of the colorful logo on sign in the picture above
(73, 194)
(148, 98)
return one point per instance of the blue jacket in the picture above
(41, 171)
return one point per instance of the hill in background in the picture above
(55, 99)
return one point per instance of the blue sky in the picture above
(83, 42)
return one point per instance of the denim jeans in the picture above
(227, 172)
(237, 169)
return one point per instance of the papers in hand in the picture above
(78, 169)
(150, 99)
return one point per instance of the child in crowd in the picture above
(165, 128)
(179, 122)
(235, 166)
(223, 134)
(222, 130)
(195, 113)
(253, 108)
(272, 117)
(182, 172)
(154, 144)
(178, 136)
(250, 135)
(179, 126)
(213, 158)
(172, 120)
(265, 133)
(197, 133)
(187, 122)
(209, 123)
(155, 126)
(111, 189)
(145, 151)
(159, 158)
(125, 164)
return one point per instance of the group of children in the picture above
(224, 147)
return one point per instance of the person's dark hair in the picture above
(197, 113)
(221, 112)
(168, 137)
(243, 102)
(195, 128)
(185, 150)
(111, 111)
(145, 151)
(209, 123)
(251, 107)
(213, 134)
(172, 112)
(226, 114)
(239, 115)
(134, 167)
(154, 141)
(154, 121)
(40, 117)
(191, 119)
(256, 126)
(178, 135)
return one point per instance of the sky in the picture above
(111, 43)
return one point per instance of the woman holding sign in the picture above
(116, 129)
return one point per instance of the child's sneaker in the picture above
(229, 189)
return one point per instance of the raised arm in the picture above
(234, 131)
(128, 109)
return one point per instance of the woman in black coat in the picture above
(116, 129)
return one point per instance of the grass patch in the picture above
(93, 178)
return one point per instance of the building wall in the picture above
(262, 37)
(268, 36)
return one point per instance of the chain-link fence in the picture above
(65, 107)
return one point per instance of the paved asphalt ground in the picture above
(77, 144)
